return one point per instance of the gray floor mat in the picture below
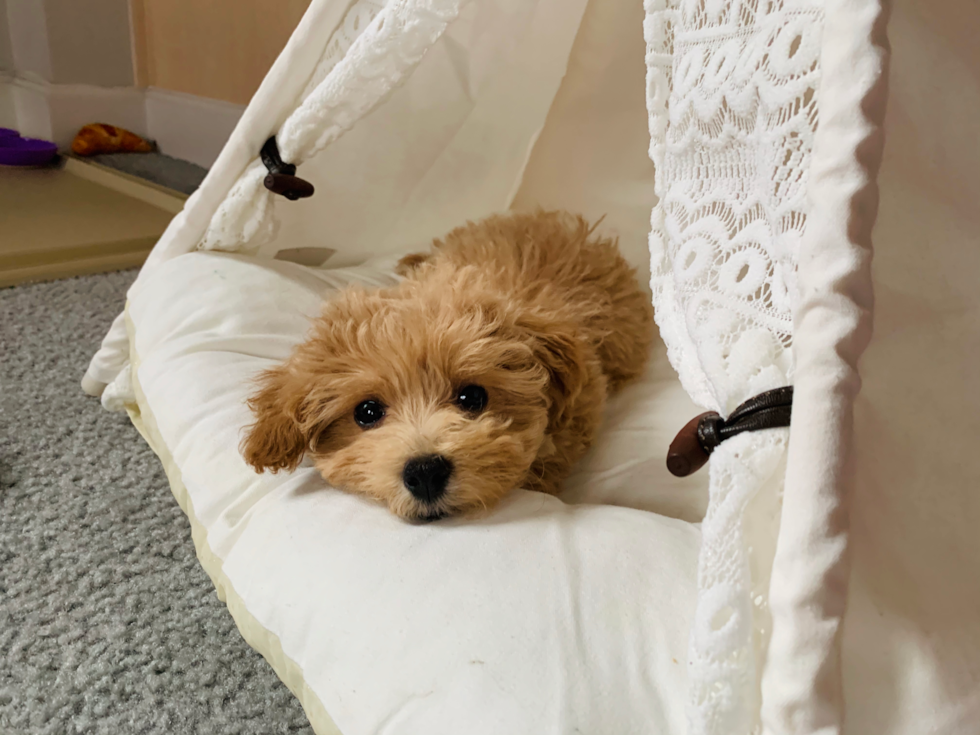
(173, 173)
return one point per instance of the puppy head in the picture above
(434, 397)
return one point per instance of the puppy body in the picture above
(532, 312)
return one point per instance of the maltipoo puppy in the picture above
(486, 369)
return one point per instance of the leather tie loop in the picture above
(282, 178)
(694, 444)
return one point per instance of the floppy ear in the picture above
(275, 441)
(564, 355)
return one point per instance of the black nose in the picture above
(426, 477)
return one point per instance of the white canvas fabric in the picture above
(543, 617)
(911, 632)
(802, 691)
(591, 156)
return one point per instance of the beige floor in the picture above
(79, 219)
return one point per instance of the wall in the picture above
(90, 42)
(177, 71)
(217, 49)
(72, 64)
(8, 112)
(6, 49)
(67, 41)
(220, 49)
(29, 38)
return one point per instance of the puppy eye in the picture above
(472, 398)
(368, 413)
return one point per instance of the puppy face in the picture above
(432, 397)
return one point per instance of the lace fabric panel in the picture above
(731, 90)
(357, 18)
(732, 624)
(731, 95)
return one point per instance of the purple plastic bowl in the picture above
(7, 132)
(17, 151)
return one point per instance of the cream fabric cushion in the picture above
(542, 618)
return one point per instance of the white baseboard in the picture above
(56, 111)
(73, 106)
(184, 126)
(191, 128)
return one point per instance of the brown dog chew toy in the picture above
(102, 138)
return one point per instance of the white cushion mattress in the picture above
(545, 617)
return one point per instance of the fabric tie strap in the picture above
(282, 178)
(697, 440)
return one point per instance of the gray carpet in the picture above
(107, 622)
(164, 170)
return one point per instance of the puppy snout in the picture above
(426, 477)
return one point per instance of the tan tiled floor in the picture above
(56, 223)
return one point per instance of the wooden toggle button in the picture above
(291, 187)
(686, 454)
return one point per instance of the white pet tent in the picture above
(837, 563)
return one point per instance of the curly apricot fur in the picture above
(536, 308)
